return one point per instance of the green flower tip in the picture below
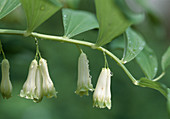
(51, 93)
(102, 103)
(84, 90)
(27, 94)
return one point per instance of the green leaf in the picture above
(144, 82)
(118, 43)
(131, 15)
(168, 101)
(166, 59)
(134, 45)
(56, 2)
(76, 22)
(38, 11)
(148, 62)
(7, 6)
(111, 20)
(74, 4)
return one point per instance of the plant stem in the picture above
(3, 54)
(105, 59)
(159, 77)
(73, 41)
(1, 50)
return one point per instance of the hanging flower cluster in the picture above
(102, 93)
(38, 83)
(6, 86)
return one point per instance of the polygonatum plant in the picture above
(115, 23)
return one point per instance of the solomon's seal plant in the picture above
(114, 20)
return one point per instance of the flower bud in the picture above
(28, 90)
(84, 79)
(48, 87)
(38, 84)
(6, 86)
(102, 94)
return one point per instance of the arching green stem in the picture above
(159, 77)
(72, 41)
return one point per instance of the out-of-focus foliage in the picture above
(148, 62)
(166, 59)
(6, 6)
(129, 13)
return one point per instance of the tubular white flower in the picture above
(99, 93)
(6, 86)
(48, 87)
(28, 90)
(108, 91)
(102, 93)
(84, 79)
(38, 84)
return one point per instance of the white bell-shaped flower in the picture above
(38, 84)
(84, 79)
(6, 86)
(102, 93)
(108, 90)
(48, 87)
(28, 90)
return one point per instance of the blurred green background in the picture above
(128, 101)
